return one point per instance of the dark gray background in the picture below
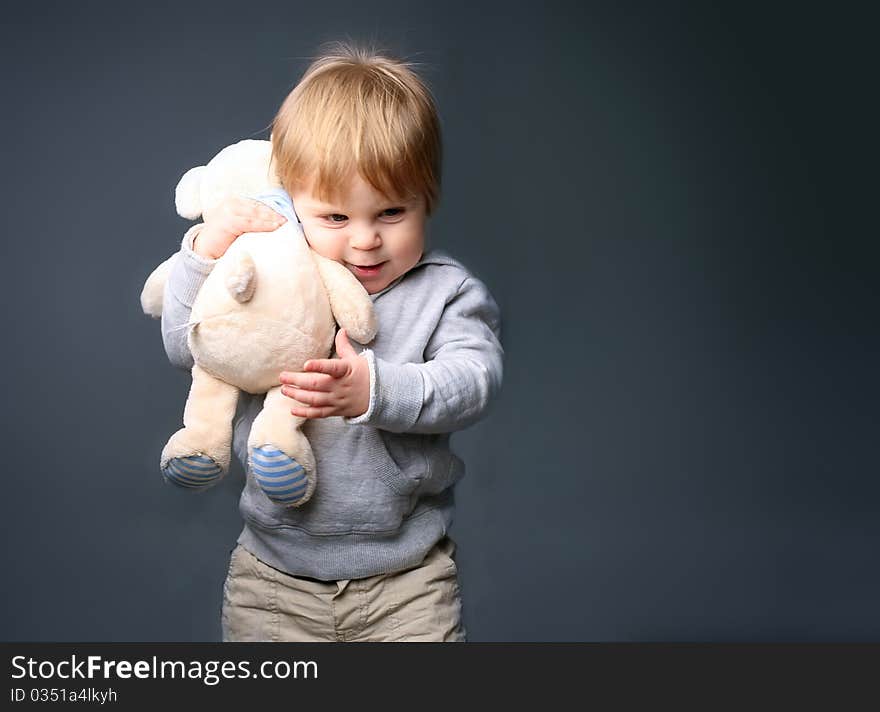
(669, 206)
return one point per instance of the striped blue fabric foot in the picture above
(281, 477)
(192, 472)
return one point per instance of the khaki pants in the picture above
(418, 604)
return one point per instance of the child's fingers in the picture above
(312, 412)
(308, 381)
(260, 224)
(249, 207)
(331, 366)
(254, 216)
(312, 398)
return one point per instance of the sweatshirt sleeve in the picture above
(461, 375)
(188, 273)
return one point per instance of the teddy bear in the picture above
(269, 305)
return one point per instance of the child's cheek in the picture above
(318, 242)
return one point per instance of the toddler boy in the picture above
(357, 148)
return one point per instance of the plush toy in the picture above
(267, 306)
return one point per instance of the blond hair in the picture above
(356, 109)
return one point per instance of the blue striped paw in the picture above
(192, 472)
(281, 478)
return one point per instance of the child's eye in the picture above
(387, 213)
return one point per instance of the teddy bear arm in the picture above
(351, 305)
(241, 279)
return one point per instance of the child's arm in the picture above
(461, 375)
(450, 391)
(188, 272)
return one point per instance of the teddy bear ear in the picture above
(188, 194)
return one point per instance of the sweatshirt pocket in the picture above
(405, 466)
(443, 467)
(360, 487)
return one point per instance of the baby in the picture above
(357, 148)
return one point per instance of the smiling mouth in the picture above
(367, 269)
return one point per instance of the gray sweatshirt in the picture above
(384, 493)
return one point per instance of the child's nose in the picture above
(365, 239)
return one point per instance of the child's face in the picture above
(363, 230)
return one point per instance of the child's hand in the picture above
(231, 218)
(331, 386)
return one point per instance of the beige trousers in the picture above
(422, 603)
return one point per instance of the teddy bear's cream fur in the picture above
(269, 304)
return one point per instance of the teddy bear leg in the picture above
(197, 456)
(279, 455)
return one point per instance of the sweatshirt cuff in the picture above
(396, 395)
(365, 417)
(190, 269)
